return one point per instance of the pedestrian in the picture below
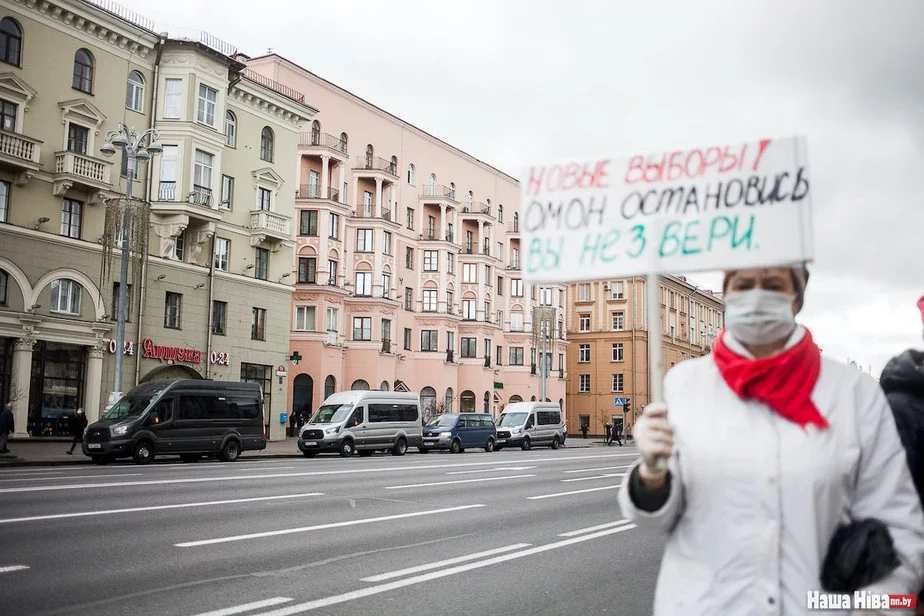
(78, 425)
(806, 443)
(617, 432)
(606, 436)
(293, 422)
(585, 429)
(7, 425)
(902, 381)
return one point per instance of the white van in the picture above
(363, 421)
(526, 424)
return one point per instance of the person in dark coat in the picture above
(7, 425)
(78, 425)
(902, 381)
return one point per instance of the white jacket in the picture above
(754, 499)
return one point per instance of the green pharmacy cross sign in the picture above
(295, 358)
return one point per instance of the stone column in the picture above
(325, 176)
(357, 201)
(94, 382)
(442, 221)
(22, 381)
(480, 241)
(377, 208)
(394, 202)
(343, 197)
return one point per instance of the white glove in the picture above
(654, 437)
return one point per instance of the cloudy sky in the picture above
(515, 81)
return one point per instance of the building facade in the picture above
(608, 377)
(407, 265)
(215, 287)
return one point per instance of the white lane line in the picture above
(433, 575)
(12, 568)
(444, 563)
(599, 468)
(542, 496)
(81, 514)
(449, 483)
(491, 470)
(70, 478)
(593, 529)
(305, 529)
(593, 477)
(240, 609)
(266, 468)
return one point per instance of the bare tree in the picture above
(603, 415)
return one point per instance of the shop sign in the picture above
(221, 359)
(127, 349)
(169, 353)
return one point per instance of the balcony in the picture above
(513, 226)
(323, 144)
(22, 154)
(477, 211)
(73, 170)
(438, 194)
(313, 192)
(432, 235)
(513, 267)
(368, 212)
(266, 225)
(375, 167)
(197, 205)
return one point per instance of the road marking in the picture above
(593, 477)
(599, 468)
(592, 529)
(70, 478)
(247, 607)
(12, 568)
(449, 483)
(541, 496)
(305, 529)
(81, 514)
(491, 470)
(443, 563)
(433, 575)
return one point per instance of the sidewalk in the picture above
(51, 452)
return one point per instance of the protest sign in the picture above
(711, 208)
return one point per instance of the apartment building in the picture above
(216, 283)
(608, 330)
(408, 260)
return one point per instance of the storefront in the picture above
(263, 376)
(57, 387)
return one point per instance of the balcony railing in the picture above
(487, 362)
(513, 226)
(450, 356)
(200, 195)
(270, 221)
(477, 208)
(82, 166)
(514, 266)
(275, 86)
(166, 191)
(438, 191)
(316, 139)
(386, 346)
(20, 147)
(386, 214)
(375, 163)
(313, 191)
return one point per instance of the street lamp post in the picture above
(137, 147)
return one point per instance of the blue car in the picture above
(459, 431)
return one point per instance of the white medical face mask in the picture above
(759, 317)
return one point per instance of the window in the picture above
(258, 324)
(584, 384)
(515, 258)
(487, 311)
(364, 239)
(410, 218)
(469, 310)
(134, 92)
(619, 319)
(308, 222)
(584, 354)
(173, 99)
(305, 318)
(71, 214)
(618, 383)
(5, 189)
(500, 318)
(584, 323)
(469, 347)
(307, 270)
(516, 287)
(114, 311)
(449, 302)
(386, 330)
(333, 320)
(469, 272)
(545, 297)
(516, 356)
(219, 318)
(386, 244)
(332, 273)
(222, 253)
(500, 213)
(173, 303)
(409, 258)
(450, 341)
(382, 413)
(431, 260)
(364, 284)
(83, 71)
(431, 227)
(487, 275)
(469, 239)
(429, 340)
(487, 348)
(362, 328)
(407, 338)
(179, 246)
(367, 204)
(10, 42)
(500, 285)
(230, 129)
(65, 296)
(202, 175)
(386, 285)
(78, 138)
(205, 112)
(450, 264)
(584, 292)
(618, 290)
(267, 144)
(516, 321)
(410, 174)
(8, 116)
(265, 200)
(617, 351)
(408, 298)
(333, 226)
(261, 263)
(168, 167)
(430, 300)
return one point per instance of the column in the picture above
(478, 248)
(22, 380)
(325, 176)
(394, 202)
(442, 221)
(94, 382)
(377, 210)
(343, 197)
(357, 201)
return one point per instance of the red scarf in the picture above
(783, 382)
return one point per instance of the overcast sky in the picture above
(517, 81)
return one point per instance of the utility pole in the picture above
(542, 363)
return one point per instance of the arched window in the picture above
(532, 399)
(65, 296)
(448, 403)
(330, 386)
(410, 174)
(4, 284)
(428, 401)
(230, 129)
(500, 212)
(467, 400)
(315, 133)
(432, 184)
(267, 144)
(370, 154)
(343, 142)
(383, 386)
(393, 166)
(134, 92)
(83, 71)
(487, 402)
(469, 199)
(516, 222)
(10, 42)
(360, 385)
(516, 398)
(452, 190)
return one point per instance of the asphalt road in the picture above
(516, 532)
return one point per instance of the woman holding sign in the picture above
(770, 448)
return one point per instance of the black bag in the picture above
(860, 553)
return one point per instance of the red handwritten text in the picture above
(569, 176)
(671, 166)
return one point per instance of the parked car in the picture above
(363, 421)
(526, 424)
(459, 431)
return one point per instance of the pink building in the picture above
(408, 257)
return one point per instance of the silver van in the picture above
(526, 424)
(363, 421)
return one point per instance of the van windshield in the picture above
(512, 419)
(331, 413)
(443, 420)
(129, 406)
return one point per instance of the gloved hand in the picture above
(655, 439)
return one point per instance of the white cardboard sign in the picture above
(712, 208)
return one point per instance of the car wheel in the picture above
(490, 446)
(346, 448)
(526, 445)
(231, 451)
(555, 443)
(456, 446)
(400, 448)
(143, 452)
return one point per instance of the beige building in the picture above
(608, 330)
(224, 185)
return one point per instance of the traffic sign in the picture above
(280, 371)
(619, 401)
